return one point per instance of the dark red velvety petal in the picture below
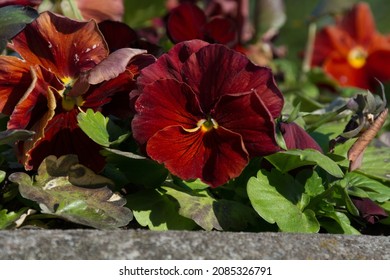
(221, 30)
(169, 65)
(117, 34)
(215, 157)
(185, 22)
(15, 79)
(61, 45)
(63, 136)
(216, 70)
(368, 210)
(164, 103)
(247, 116)
(38, 102)
(297, 138)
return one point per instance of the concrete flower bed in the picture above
(140, 244)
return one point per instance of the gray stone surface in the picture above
(141, 244)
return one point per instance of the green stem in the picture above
(306, 66)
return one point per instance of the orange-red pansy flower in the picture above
(352, 51)
(47, 87)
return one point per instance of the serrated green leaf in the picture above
(292, 159)
(210, 213)
(154, 209)
(13, 19)
(52, 189)
(276, 198)
(94, 124)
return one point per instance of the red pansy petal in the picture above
(63, 136)
(214, 157)
(247, 116)
(185, 23)
(368, 210)
(216, 70)
(297, 138)
(345, 74)
(221, 30)
(61, 45)
(169, 65)
(164, 103)
(360, 24)
(117, 34)
(38, 101)
(15, 79)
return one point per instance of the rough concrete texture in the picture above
(141, 244)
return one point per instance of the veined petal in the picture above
(63, 46)
(62, 136)
(38, 102)
(164, 103)
(297, 138)
(185, 22)
(169, 65)
(215, 157)
(215, 70)
(15, 79)
(247, 116)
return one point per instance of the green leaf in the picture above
(277, 198)
(154, 209)
(292, 159)
(53, 190)
(13, 19)
(376, 163)
(8, 219)
(371, 188)
(94, 124)
(137, 169)
(210, 213)
(312, 182)
(2, 175)
(338, 223)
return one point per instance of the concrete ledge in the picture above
(141, 244)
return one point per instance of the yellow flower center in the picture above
(204, 125)
(69, 102)
(357, 57)
(207, 125)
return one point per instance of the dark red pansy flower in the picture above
(188, 21)
(65, 68)
(204, 110)
(296, 137)
(352, 51)
(369, 210)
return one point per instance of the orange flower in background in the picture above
(352, 51)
